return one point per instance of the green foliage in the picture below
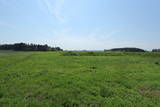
(79, 79)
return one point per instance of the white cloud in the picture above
(58, 9)
(102, 35)
(93, 41)
(55, 9)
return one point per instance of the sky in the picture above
(81, 24)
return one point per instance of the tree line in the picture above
(126, 50)
(28, 47)
(156, 50)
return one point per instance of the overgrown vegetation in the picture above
(108, 53)
(48, 79)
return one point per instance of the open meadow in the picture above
(79, 79)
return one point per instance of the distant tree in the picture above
(6, 47)
(20, 46)
(58, 49)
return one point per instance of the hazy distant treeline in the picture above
(156, 50)
(127, 50)
(28, 47)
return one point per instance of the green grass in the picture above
(50, 79)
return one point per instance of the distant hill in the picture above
(126, 50)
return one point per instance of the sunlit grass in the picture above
(41, 79)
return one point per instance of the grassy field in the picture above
(80, 79)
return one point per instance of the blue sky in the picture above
(81, 24)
